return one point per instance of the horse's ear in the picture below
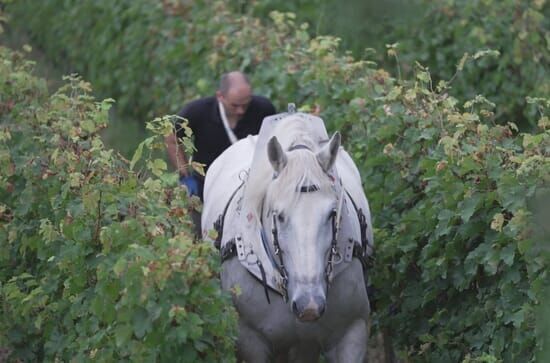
(276, 155)
(327, 155)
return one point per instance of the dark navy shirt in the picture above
(210, 137)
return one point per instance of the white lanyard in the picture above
(228, 131)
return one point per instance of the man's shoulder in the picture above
(263, 103)
(199, 105)
(199, 111)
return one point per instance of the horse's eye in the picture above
(281, 217)
(332, 214)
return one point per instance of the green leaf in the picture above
(516, 318)
(137, 155)
(123, 333)
(141, 322)
(508, 253)
(120, 266)
(468, 207)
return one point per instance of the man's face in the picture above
(236, 101)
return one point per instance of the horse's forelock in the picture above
(301, 172)
(291, 130)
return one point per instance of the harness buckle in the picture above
(336, 255)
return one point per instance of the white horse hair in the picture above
(299, 291)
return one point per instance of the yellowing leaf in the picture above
(463, 60)
(157, 166)
(497, 222)
(394, 93)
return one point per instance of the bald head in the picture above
(233, 80)
(235, 93)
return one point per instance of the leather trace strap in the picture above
(366, 260)
(219, 223)
(229, 250)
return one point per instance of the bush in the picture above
(462, 253)
(462, 256)
(517, 30)
(97, 262)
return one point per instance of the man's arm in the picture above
(176, 154)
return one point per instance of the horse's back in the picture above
(224, 176)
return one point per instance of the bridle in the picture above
(334, 257)
(277, 251)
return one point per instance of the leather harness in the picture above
(229, 250)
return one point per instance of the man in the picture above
(217, 122)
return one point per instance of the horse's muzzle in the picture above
(308, 308)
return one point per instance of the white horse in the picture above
(294, 230)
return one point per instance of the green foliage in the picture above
(362, 25)
(459, 259)
(97, 262)
(459, 204)
(518, 30)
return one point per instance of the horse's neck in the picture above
(256, 187)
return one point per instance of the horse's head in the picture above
(300, 212)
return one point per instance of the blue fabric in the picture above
(190, 183)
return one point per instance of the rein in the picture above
(334, 251)
(278, 252)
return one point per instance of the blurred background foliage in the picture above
(361, 25)
(438, 34)
(446, 117)
(395, 34)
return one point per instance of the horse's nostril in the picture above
(321, 305)
(321, 309)
(294, 307)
